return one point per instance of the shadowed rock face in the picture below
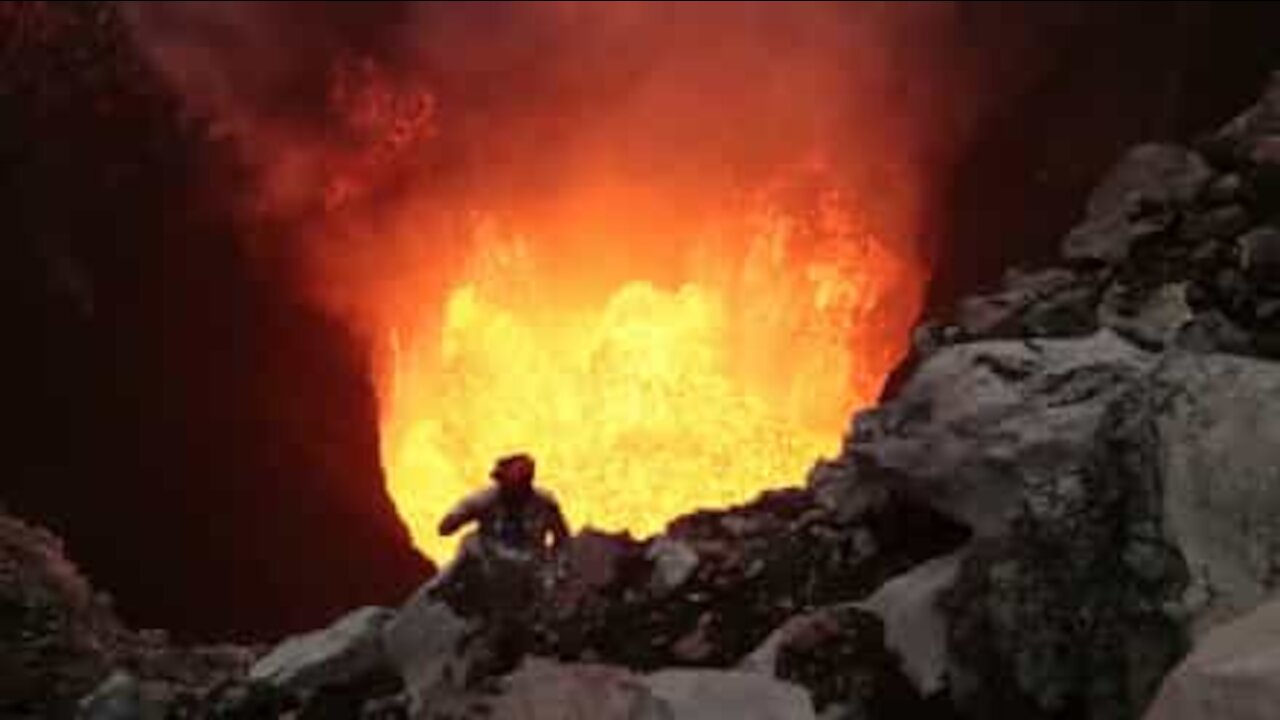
(1117, 473)
(1216, 445)
(181, 420)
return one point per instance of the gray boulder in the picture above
(1156, 173)
(1135, 201)
(119, 697)
(916, 629)
(1069, 612)
(673, 563)
(1260, 121)
(347, 650)
(1219, 224)
(1108, 239)
(1260, 255)
(1233, 674)
(838, 654)
(1051, 302)
(981, 430)
(546, 690)
(1213, 332)
(725, 695)
(1153, 321)
(1139, 491)
(1032, 444)
(431, 648)
(1217, 447)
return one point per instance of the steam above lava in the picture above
(666, 248)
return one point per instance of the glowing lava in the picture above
(693, 384)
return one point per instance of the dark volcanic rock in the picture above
(1260, 256)
(1121, 502)
(1068, 615)
(57, 638)
(838, 654)
(118, 698)
(177, 405)
(60, 642)
(349, 648)
(1232, 674)
(1216, 456)
(1218, 224)
(546, 690)
(1262, 120)
(756, 565)
(1134, 202)
(1053, 302)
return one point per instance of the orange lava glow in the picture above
(649, 377)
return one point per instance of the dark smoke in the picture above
(537, 102)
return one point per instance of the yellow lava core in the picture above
(651, 398)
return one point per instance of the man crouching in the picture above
(502, 569)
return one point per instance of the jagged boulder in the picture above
(432, 648)
(712, 587)
(1121, 499)
(725, 695)
(1216, 449)
(1048, 303)
(119, 697)
(838, 654)
(1233, 674)
(1260, 255)
(1134, 202)
(1241, 137)
(58, 638)
(910, 606)
(1156, 173)
(982, 429)
(545, 690)
(1150, 319)
(347, 651)
(1038, 445)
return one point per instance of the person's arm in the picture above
(465, 512)
(559, 529)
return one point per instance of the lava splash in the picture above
(696, 376)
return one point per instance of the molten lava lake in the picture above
(647, 383)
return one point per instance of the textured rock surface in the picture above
(910, 606)
(427, 644)
(63, 652)
(1153, 321)
(838, 654)
(1132, 202)
(118, 698)
(1233, 674)
(545, 690)
(725, 695)
(349, 649)
(57, 638)
(981, 428)
(1219, 460)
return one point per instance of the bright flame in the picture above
(649, 399)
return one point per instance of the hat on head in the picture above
(517, 469)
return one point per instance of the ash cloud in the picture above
(557, 108)
(531, 94)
